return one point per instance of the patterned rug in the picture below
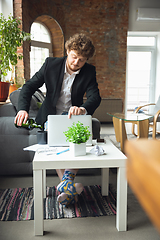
(18, 204)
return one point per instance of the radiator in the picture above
(108, 105)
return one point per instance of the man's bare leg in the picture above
(60, 172)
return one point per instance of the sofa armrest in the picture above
(7, 110)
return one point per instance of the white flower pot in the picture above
(77, 149)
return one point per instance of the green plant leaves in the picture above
(11, 37)
(77, 133)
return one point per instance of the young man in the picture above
(67, 79)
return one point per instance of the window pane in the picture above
(39, 33)
(139, 68)
(37, 58)
(140, 41)
(39, 52)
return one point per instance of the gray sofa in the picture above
(13, 159)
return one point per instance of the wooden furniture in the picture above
(119, 119)
(113, 158)
(3, 103)
(153, 122)
(143, 175)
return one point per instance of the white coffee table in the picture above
(113, 158)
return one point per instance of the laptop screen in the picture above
(58, 124)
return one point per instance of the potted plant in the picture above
(77, 135)
(11, 37)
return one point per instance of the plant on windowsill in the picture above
(78, 135)
(11, 37)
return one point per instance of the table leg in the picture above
(121, 217)
(105, 181)
(120, 131)
(44, 183)
(38, 202)
(123, 135)
(143, 128)
(116, 128)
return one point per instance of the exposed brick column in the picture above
(17, 12)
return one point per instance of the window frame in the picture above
(153, 50)
(41, 44)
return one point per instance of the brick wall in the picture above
(105, 21)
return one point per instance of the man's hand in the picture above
(21, 117)
(76, 111)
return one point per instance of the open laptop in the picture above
(58, 124)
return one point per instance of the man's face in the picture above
(75, 61)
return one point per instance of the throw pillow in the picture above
(37, 97)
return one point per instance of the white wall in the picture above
(135, 25)
(6, 7)
(153, 27)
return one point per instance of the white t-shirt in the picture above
(64, 101)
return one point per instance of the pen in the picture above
(63, 151)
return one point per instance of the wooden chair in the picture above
(153, 121)
(143, 175)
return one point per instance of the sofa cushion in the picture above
(37, 97)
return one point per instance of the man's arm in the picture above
(26, 93)
(30, 87)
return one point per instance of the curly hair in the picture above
(82, 44)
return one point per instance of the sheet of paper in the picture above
(35, 147)
(45, 148)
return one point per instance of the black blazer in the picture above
(52, 73)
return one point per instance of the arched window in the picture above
(41, 47)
